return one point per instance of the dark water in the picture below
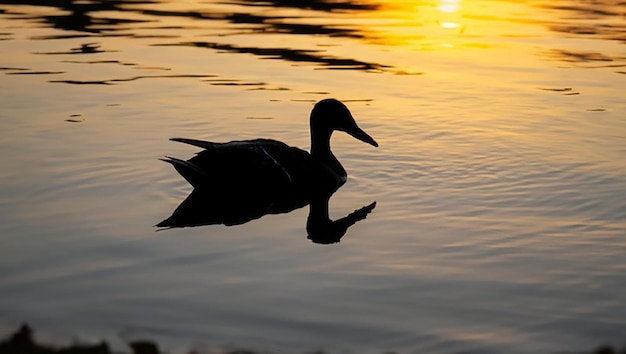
(500, 181)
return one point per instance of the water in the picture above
(500, 179)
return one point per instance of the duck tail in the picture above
(192, 173)
(199, 143)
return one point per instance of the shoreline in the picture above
(22, 342)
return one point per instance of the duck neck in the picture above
(320, 151)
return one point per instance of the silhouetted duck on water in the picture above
(273, 164)
(239, 181)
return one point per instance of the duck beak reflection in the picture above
(362, 135)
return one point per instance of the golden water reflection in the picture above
(449, 6)
(494, 165)
(449, 23)
(343, 34)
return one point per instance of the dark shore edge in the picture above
(22, 342)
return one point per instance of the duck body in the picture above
(267, 174)
(255, 166)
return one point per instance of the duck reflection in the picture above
(321, 229)
(240, 181)
(203, 207)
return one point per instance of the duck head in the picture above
(329, 115)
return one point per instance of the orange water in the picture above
(500, 179)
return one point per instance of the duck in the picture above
(267, 168)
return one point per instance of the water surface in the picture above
(500, 179)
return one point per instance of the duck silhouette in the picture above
(239, 181)
(271, 164)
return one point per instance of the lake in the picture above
(499, 182)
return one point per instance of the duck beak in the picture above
(361, 135)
